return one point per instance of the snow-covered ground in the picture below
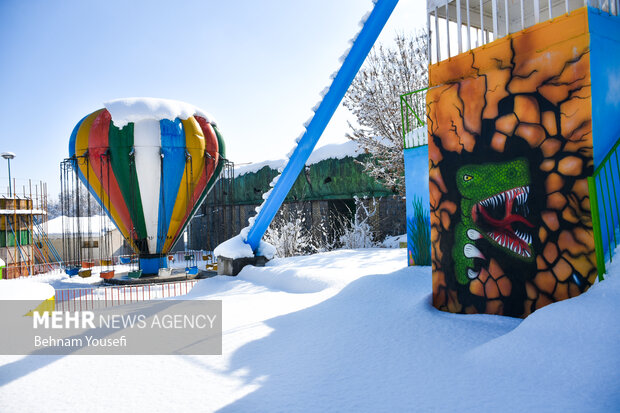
(349, 330)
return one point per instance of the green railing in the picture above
(605, 208)
(412, 113)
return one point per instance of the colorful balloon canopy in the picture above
(149, 169)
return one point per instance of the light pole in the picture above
(8, 156)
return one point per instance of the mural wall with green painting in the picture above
(510, 150)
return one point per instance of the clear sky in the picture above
(256, 66)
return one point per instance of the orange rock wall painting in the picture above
(510, 150)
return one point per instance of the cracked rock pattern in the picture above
(510, 150)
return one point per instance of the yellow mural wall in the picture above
(510, 148)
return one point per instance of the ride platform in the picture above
(175, 275)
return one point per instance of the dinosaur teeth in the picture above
(514, 245)
(519, 194)
(511, 194)
(527, 238)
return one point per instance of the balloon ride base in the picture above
(177, 274)
(233, 266)
(151, 265)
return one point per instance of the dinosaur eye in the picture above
(467, 178)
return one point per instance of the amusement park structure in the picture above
(24, 245)
(147, 164)
(522, 149)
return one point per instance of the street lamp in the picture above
(8, 156)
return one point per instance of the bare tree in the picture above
(70, 205)
(374, 99)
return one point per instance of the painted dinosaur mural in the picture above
(510, 149)
(492, 207)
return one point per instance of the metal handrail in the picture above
(409, 115)
(602, 193)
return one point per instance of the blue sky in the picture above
(256, 66)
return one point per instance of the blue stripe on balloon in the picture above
(173, 166)
(74, 137)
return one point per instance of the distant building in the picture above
(16, 242)
(90, 244)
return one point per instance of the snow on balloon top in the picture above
(132, 110)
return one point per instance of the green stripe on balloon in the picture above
(121, 144)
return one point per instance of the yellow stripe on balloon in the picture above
(195, 144)
(81, 148)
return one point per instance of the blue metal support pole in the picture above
(351, 65)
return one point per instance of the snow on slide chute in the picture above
(149, 163)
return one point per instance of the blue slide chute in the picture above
(350, 66)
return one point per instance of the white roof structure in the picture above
(55, 226)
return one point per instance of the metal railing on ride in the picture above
(605, 208)
(81, 299)
(412, 114)
(456, 26)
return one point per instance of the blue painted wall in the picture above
(605, 79)
(416, 181)
(605, 76)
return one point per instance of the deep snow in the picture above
(349, 330)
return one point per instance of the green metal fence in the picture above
(412, 113)
(605, 207)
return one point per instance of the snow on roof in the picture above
(331, 151)
(255, 167)
(55, 226)
(128, 110)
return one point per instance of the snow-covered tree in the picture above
(358, 232)
(374, 99)
(290, 238)
(291, 234)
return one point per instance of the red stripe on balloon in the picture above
(211, 147)
(98, 145)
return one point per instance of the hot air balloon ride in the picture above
(149, 163)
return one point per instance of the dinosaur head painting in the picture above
(494, 206)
